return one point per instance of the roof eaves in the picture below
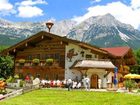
(65, 39)
(22, 42)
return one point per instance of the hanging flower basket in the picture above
(36, 61)
(49, 61)
(21, 61)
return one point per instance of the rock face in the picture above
(106, 31)
(11, 33)
(103, 31)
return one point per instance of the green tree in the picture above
(6, 66)
(136, 69)
(137, 54)
(3, 47)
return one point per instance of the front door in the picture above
(94, 81)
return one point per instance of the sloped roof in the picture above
(118, 51)
(38, 37)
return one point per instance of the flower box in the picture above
(49, 61)
(21, 61)
(36, 60)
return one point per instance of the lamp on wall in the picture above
(49, 25)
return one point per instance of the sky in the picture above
(126, 11)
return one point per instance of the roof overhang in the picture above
(94, 64)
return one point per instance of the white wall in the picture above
(100, 73)
(73, 73)
(69, 73)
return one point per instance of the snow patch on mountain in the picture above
(101, 35)
(106, 31)
(123, 36)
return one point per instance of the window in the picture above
(56, 56)
(49, 56)
(29, 57)
(88, 56)
(38, 56)
(96, 56)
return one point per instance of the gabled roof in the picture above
(118, 51)
(38, 37)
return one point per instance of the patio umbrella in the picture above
(132, 76)
(115, 76)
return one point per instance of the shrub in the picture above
(16, 76)
(9, 80)
(6, 66)
(138, 91)
(129, 83)
(1, 79)
(21, 84)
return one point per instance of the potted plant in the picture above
(129, 84)
(21, 61)
(36, 61)
(49, 61)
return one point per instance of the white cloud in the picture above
(95, 1)
(122, 12)
(30, 2)
(5, 7)
(29, 11)
(135, 4)
(28, 8)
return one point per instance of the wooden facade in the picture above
(41, 46)
(43, 50)
(123, 60)
(45, 46)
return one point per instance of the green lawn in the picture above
(63, 97)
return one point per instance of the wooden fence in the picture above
(20, 91)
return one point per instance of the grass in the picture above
(63, 97)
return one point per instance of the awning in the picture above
(132, 76)
(93, 64)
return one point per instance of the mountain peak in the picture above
(106, 20)
(109, 15)
(106, 31)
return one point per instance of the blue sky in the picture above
(127, 11)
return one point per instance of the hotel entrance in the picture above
(94, 81)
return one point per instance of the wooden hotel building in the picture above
(55, 57)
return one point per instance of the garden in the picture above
(64, 97)
(60, 96)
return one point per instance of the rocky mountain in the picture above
(103, 31)
(106, 31)
(11, 33)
